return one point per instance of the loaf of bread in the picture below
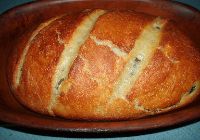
(104, 65)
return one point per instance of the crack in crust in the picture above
(60, 41)
(107, 43)
(166, 52)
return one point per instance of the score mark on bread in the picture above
(140, 55)
(18, 72)
(71, 51)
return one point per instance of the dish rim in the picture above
(6, 117)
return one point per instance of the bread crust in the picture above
(169, 81)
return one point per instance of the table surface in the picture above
(188, 131)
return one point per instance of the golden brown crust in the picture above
(169, 81)
(45, 49)
(122, 28)
(172, 72)
(35, 85)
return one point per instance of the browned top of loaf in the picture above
(87, 92)
(41, 59)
